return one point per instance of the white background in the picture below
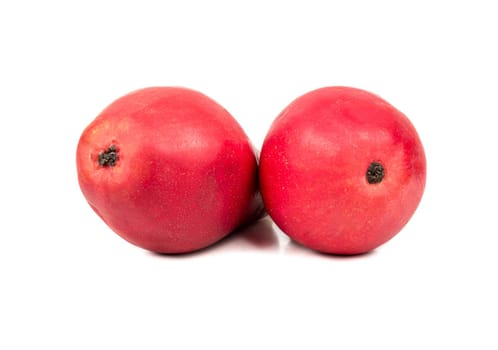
(68, 282)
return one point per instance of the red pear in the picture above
(169, 170)
(342, 171)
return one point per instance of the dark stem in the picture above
(375, 173)
(109, 157)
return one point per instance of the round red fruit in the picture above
(168, 169)
(342, 171)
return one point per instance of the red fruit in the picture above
(169, 170)
(341, 170)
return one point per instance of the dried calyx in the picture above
(109, 157)
(375, 173)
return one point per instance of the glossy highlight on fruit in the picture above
(169, 170)
(342, 171)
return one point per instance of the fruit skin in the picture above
(313, 169)
(185, 173)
